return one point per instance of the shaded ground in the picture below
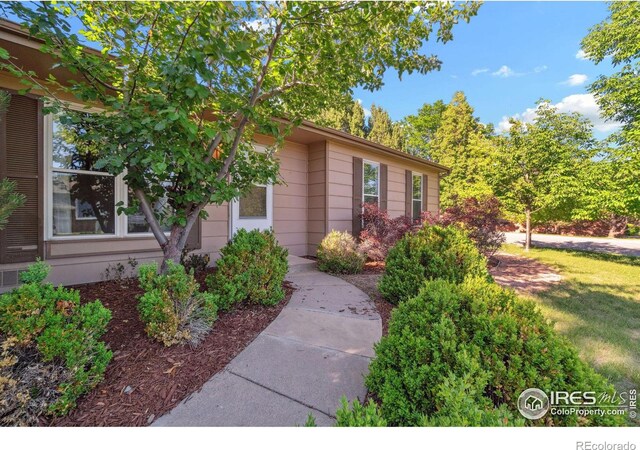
(523, 274)
(596, 306)
(146, 379)
(621, 246)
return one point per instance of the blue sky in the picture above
(520, 52)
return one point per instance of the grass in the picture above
(597, 307)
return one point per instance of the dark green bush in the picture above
(433, 252)
(172, 307)
(338, 253)
(64, 332)
(480, 339)
(251, 267)
(359, 415)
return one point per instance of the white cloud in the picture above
(504, 72)
(584, 104)
(367, 112)
(539, 69)
(581, 55)
(576, 79)
(479, 71)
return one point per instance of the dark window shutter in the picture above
(194, 241)
(408, 193)
(383, 186)
(21, 156)
(357, 197)
(425, 191)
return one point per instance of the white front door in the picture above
(254, 210)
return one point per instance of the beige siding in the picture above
(340, 184)
(317, 196)
(290, 200)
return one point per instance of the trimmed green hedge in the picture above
(338, 253)
(252, 267)
(461, 354)
(431, 253)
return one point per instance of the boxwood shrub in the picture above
(461, 354)
(251, 267)
(46, 334)
(432, 252)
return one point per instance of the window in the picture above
(253, 203)
(417, 196)
(137, 223)
(83, 198)
(371, 182)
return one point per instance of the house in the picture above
(70, 220)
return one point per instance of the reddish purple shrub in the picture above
(481, 218)
(380, 232)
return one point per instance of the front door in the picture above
(254, 210)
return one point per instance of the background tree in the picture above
(383, 130)
(187, 84)
(538, 171)
(461, 143)
(420, 128)
(348, 117)
(617, 177)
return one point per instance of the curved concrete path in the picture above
(317, 350)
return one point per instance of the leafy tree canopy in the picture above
(183, 86)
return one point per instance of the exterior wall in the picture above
(317, 196)
(340, 184)
(290, 200)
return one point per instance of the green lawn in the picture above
(597, 307)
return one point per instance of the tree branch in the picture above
(147, 210)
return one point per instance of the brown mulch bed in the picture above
(146, 379)
(525, 275)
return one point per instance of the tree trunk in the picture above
(527, 239)
(172, 249)
(617, 225)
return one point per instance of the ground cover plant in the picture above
(51, 348)
(461, 354)
(251, 267)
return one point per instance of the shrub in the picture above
(462, 354)
(339, 253)
(252, 267)
(432, 252)
(196, 261)
(480, 217)
(380, 232)
(359, 415)
(49, 337)
(172, 307)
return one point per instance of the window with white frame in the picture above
(82, 198)
(417, 196)
(371, 182)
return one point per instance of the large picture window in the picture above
(83, 198)
(417, 196)
(371, 182)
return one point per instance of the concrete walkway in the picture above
(621, 246)
(315, 351)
